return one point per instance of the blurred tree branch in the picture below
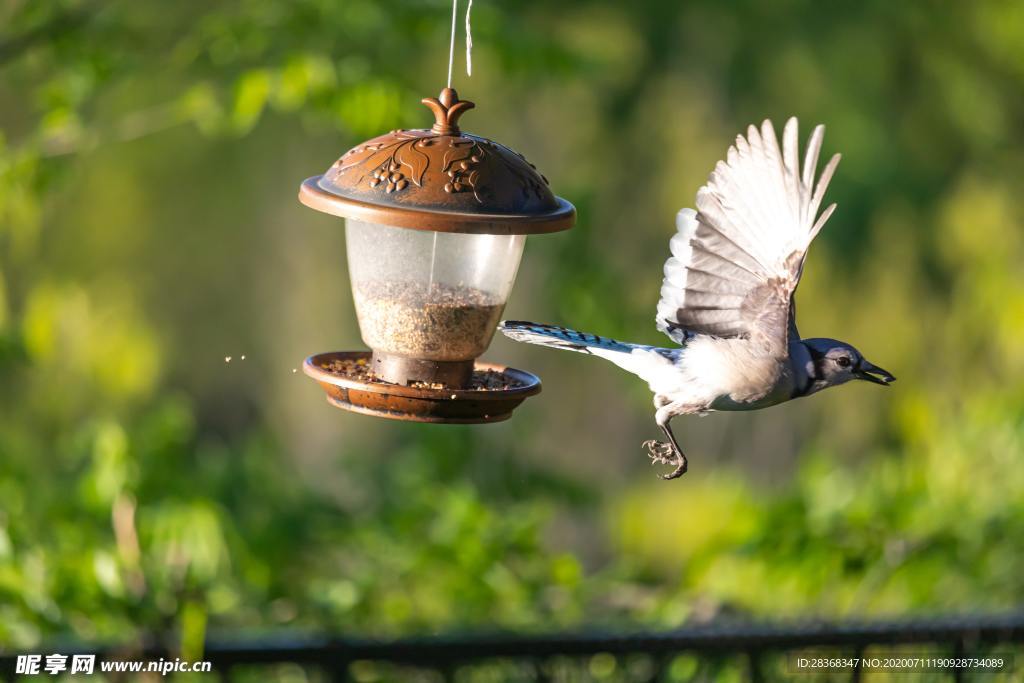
(14, 47)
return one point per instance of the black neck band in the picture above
(815, 375)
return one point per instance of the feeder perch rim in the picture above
(419, 404)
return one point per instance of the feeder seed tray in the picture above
(347, 378)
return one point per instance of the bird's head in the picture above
(836, 362)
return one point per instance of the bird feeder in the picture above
(435, 224)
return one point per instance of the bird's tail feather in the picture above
(562, 337)
(647, 362)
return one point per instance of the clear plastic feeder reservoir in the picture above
(428, 302)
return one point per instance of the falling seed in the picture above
(453, 396)
(227, 359)
(243, 358)
(295, 370)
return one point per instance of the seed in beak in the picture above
(872, 373)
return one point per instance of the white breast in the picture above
(732, 373)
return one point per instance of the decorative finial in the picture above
(447, 108)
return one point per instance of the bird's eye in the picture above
(843, 361)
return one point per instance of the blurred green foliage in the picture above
(149, 155)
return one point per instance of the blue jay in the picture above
(727, 295)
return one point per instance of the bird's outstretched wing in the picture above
(737, 259)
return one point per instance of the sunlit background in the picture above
(150, 155)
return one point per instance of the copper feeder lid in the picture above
(439, 179)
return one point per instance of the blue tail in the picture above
(562, 337)
(647, 362)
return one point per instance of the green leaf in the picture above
(251, 93)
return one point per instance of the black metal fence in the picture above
(950, 648)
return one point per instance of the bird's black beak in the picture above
(872, 373)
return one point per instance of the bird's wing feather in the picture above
(737, 259)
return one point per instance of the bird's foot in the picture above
(662, 453)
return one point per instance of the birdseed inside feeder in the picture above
(436, 220)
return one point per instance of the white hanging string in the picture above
(469, 72)
(433, 262)
(451, 50)
(469, 40)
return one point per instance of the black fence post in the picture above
(540, 674)
(340, 672)
(754, 665)
(858, 667)
(958, 651)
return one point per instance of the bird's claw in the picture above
(662, 453)
(659, 452)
